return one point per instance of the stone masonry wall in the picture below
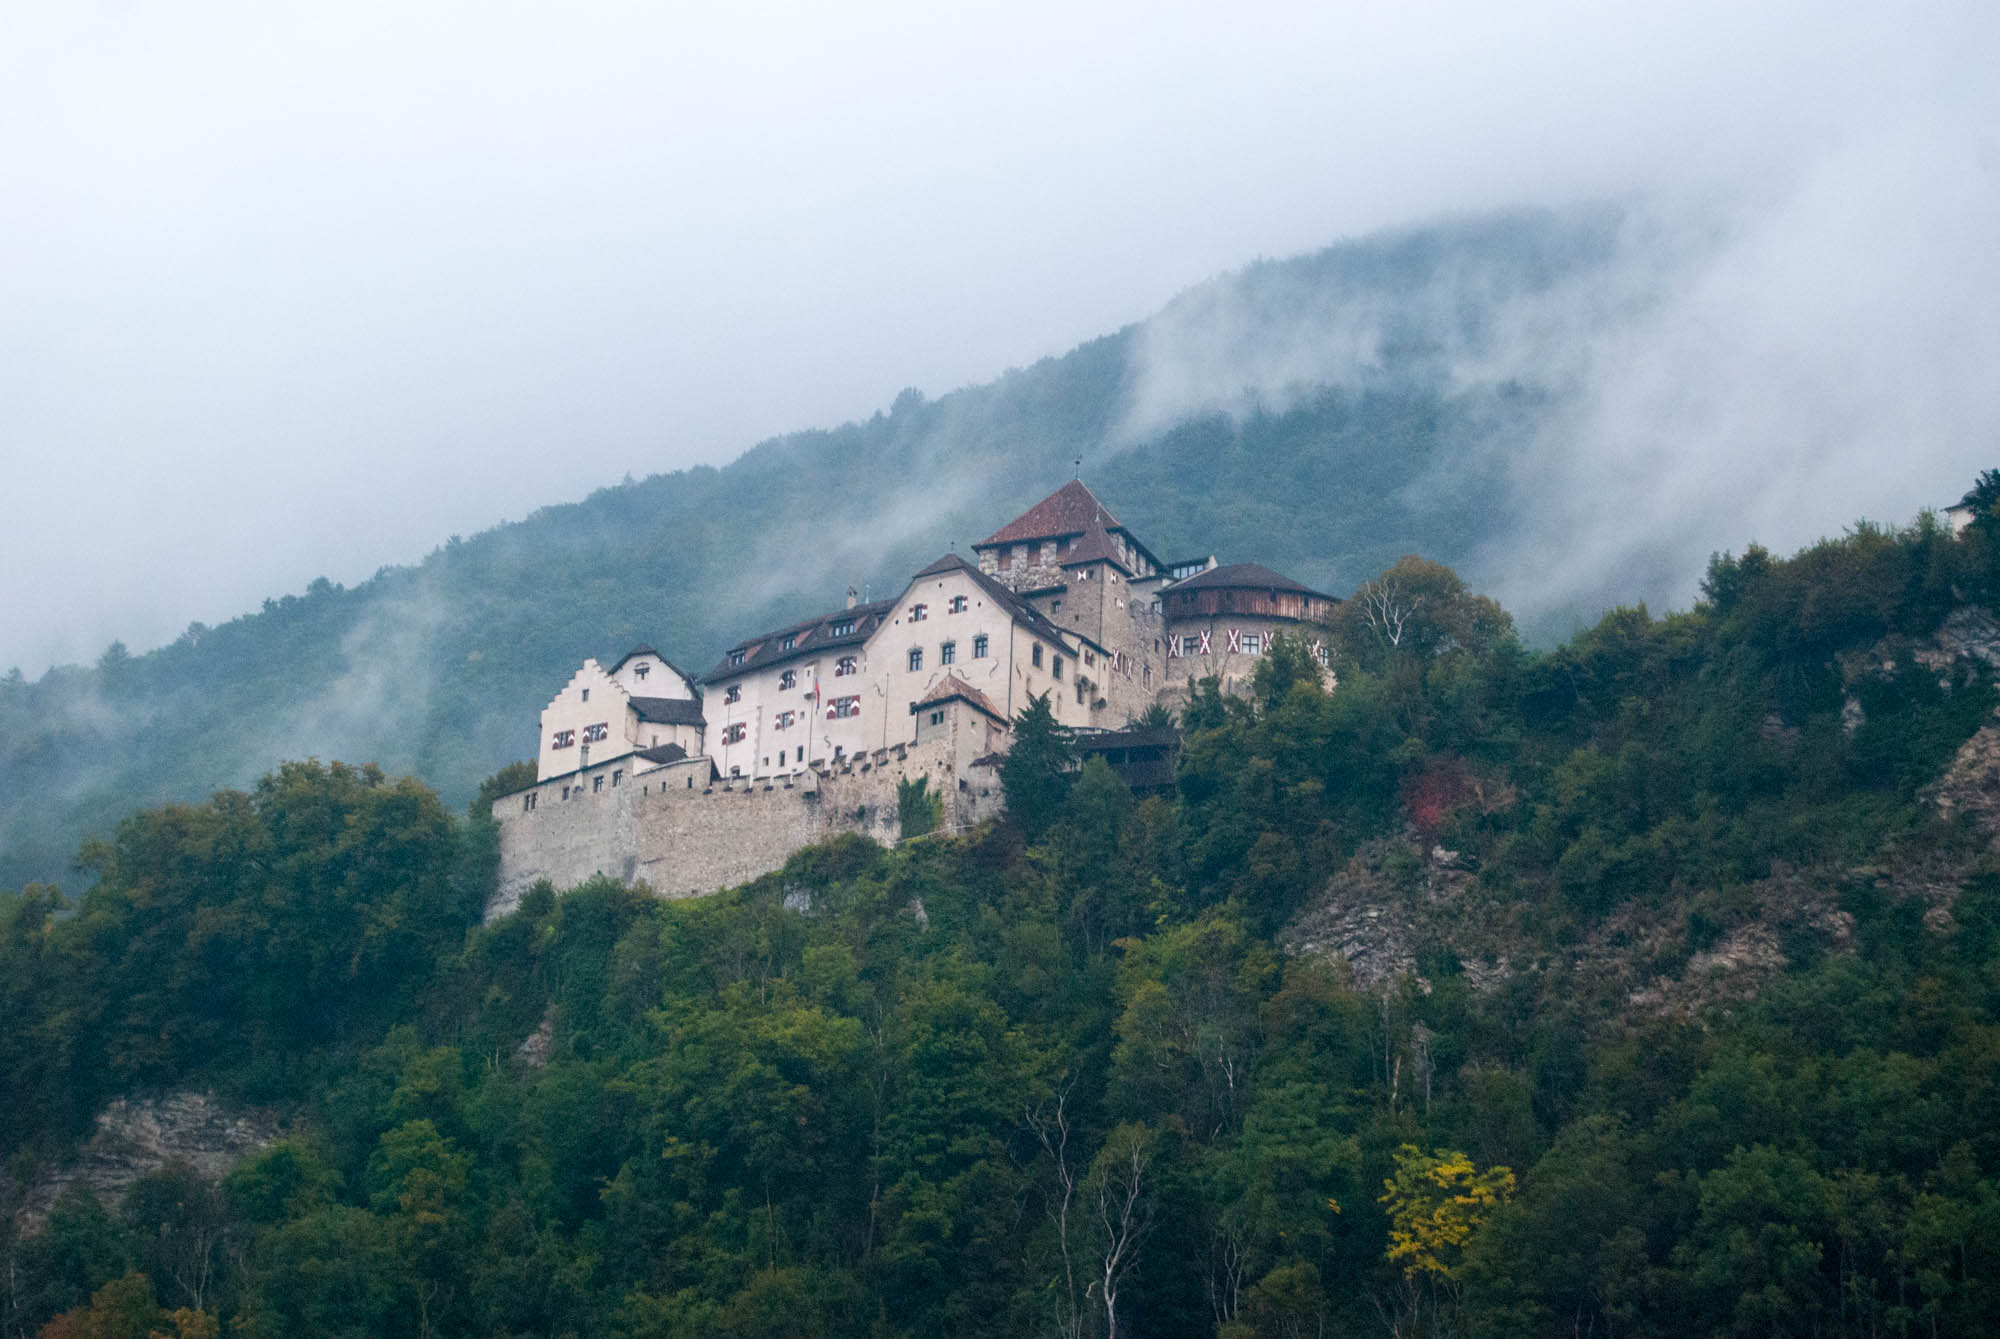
(686, 839)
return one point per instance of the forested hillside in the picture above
(1697, 1031)
(1322, 415)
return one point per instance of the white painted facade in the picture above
(594, 719)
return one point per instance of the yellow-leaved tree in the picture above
(1437, 1201)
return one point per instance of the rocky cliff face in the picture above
(137, 1137)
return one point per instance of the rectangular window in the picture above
(528, 802)
(844, 628)
(616, 777)
(842, 707)
(1190, 646)
(639, 670)
(919, 612)
(1253, 643)
(979, 647)
(789, 642)
(1038, 655)
(937, 718)
(1082, 687)
(1089, 657)
(957, 605)
(1056, 667)
(947, 653)
(1006, 559)
(785, 719)
(597, 782)
(844, 665)
(736, 657)
(735, 693)
(733, 734)
(916, 657)
(594, 734)
(586, 695)
(564, 739)
(789, 679)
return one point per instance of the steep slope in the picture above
(1323, 415)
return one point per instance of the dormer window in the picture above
(919, 612)
(789, 642)
(735, 693)
(844, 628)
(736, 657)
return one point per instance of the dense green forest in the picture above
(441, 669)
(1062, 1076)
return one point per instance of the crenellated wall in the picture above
(683, 833)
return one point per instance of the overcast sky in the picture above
(291, 291)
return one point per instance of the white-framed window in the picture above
(979, 645)
(734, 734)
(842, 707)
(788, 679)
(1253, 643)
(957, 605)
(947, 653)
(919, 612)
(843, 666)
(564, 739)
(735, 693)
(916, 657)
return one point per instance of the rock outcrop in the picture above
(137, 1137)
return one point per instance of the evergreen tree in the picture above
(1038, 768)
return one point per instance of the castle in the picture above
(649, 775)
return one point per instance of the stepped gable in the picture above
(952, 688)
(1037, 621)
(808, 636)
(669, 710)
(1247, 576)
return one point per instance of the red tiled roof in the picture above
(1070, 510)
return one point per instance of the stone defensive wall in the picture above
(683, 833)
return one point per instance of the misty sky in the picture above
(295, 291)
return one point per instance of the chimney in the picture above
(852, 596)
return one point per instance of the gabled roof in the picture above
(808, 636)
(1246, 576)
(952, 688)
(1094, 547)
(1038, 622)
(642, 649)
(669, 710)
(1070, 510)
